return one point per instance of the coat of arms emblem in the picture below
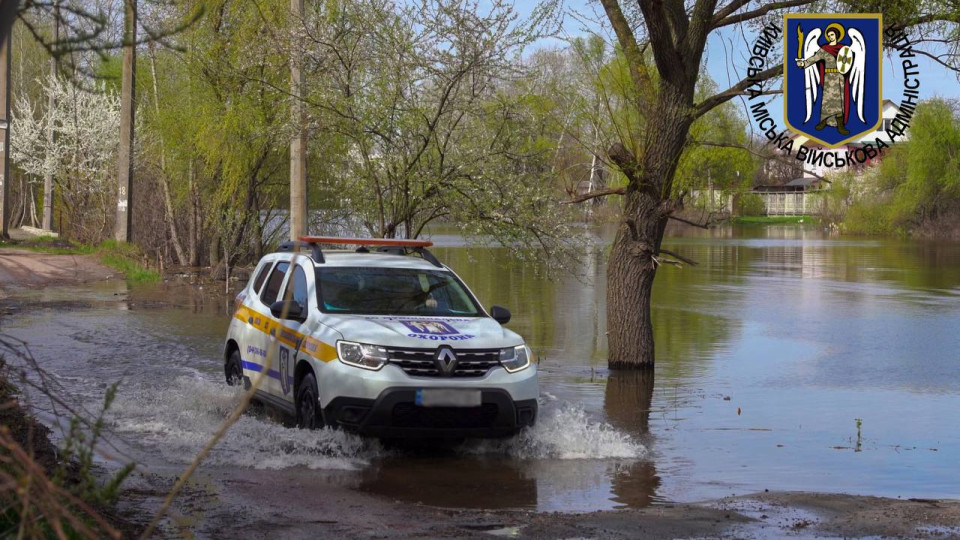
(832, 76)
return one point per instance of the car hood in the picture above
(423, 332)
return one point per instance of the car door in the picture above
(267, 327)
(250, 337)
(291, 336)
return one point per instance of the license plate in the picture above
(441, 397)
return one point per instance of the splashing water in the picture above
(564, 433)
(179, 419)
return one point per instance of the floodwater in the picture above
(770, 353)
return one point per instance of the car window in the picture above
(261, 277)
(393, 291)
(298, 284)
(272, 290)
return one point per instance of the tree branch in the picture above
(935, 58)
(708, 104)
(701, 20)
(628, 42)
(688, 222)
(657, 18)
(595, 194)
(720, 21)
(729, 9)
(691, 262)
(927, 18)
(764, 155)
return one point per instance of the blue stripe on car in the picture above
(273, 374)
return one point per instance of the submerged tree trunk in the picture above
(629, 292)
(648, 203)
(630, 274)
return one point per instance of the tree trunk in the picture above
(647, 204)
(164, 178)
(34, 221)
(215, 250)
(194, 230)
(630, 274)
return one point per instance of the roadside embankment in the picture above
(43, 492)
(27, 268)
(46, 261)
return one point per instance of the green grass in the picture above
(123, 257)
(775, 220)
(126, 258)
(49, 244)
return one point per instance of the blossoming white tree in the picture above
(81, 156)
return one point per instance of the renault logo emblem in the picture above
(446, 361)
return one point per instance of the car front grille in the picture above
(420, 362)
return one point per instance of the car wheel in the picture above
(308, 405)
(234, 370)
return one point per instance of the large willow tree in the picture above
(665, 93)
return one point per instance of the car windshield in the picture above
(393, 291)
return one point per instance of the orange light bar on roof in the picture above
(365, 241)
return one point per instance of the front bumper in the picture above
(394, 413)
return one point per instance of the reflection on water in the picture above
(480, 483)
(766, 353)
(627, 402)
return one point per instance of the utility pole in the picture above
(122, 231)
(47, 223)
(5, 46)
(298, 145)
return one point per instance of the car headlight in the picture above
(514, 359)
(360, 355)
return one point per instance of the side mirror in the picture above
(500, 314)
(294, 310)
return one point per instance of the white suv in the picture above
(387, 342)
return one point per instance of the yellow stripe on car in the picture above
(320, 350)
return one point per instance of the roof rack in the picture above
(385, 245)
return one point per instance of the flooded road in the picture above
(768, 353)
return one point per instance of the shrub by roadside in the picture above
(46, 492)
(749, 205)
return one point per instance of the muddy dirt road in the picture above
(25, 268)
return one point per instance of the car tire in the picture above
(308, 404)
(233, 370)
